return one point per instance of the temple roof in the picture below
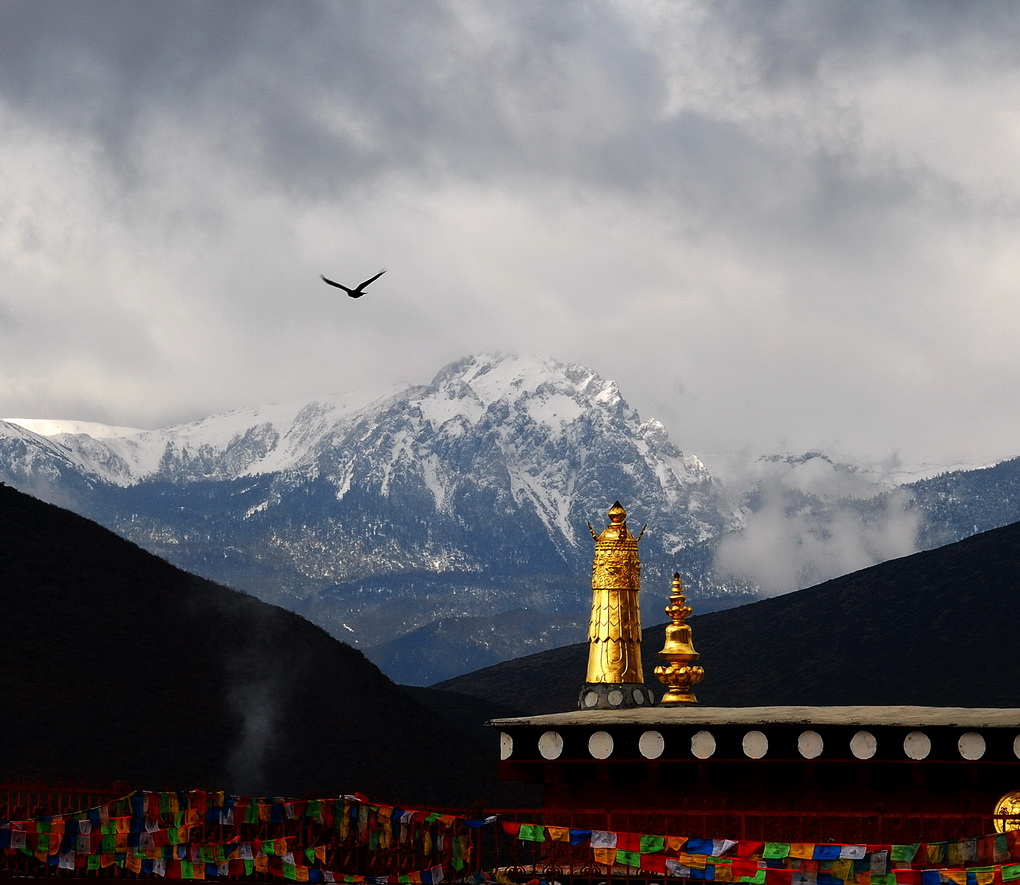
(968, 717)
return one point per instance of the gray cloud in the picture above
(812, 520)
(802, 212)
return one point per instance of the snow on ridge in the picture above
(56, 426)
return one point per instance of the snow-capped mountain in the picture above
(379, 513)
(432, 511)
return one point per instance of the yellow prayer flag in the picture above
(133, 863)
(984, 877)
(280, 846)
(842, 869)
(957, 876)
(606, 856)
(692, 860)
(262, 862)
(320, 853)
(558, 834)
(301, 874)
(802, 850)
(675, 843)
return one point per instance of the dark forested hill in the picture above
(119, 666)
(936, 628)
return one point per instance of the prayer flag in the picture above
(654, 863)
(652, 844)
(531, 833)
(603, 839)
(630, 858)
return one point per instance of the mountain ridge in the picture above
(392, 512)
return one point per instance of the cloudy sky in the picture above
(778, 225)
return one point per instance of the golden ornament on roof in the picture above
(614, 631)
(680, 673)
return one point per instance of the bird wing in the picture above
(372, 280)
(338, 285)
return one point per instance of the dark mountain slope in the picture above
(118, 665)
(936, 628)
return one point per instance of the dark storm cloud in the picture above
(799, 207)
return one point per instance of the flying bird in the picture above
(360, 290)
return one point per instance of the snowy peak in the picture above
(528, 435)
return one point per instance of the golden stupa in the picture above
(680, 674)
(615, 679)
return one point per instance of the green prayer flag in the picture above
(43, 826)
(310, 854)
(776, 850)
(43, 841)
(457, 863)
(531, 833)
(433, 816)
(904, 853)
(173, 836)
(205, 854)
(883, 879)
(109, 845)
(249, 867)
(289, 871)
(404, 880)
(186, 870)
(314, 808)
(251, 813)
(757, 879)
(269, 847)
(652, 844)
(93, 863)
(630, 858)
(1010, 872)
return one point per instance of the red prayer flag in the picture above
(654, 863)
(628, 841)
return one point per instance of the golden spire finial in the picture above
(614, 678)
(679, 675)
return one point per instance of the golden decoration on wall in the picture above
(1007, 812)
